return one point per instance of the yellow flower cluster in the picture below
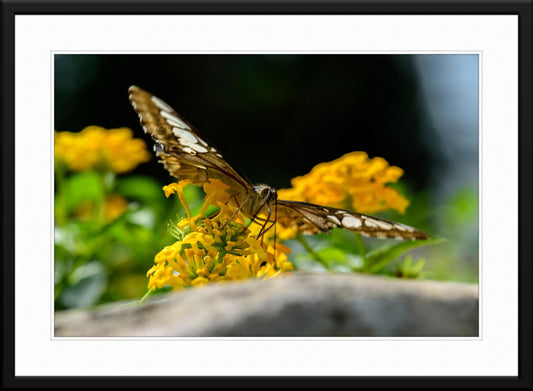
(97, 148)
(214, 249)
(352, 181)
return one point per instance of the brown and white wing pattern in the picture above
(186, 155)
(182, 150)
(313, 219)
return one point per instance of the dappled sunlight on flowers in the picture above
(352, 181)
(97, 148)
(216, 248)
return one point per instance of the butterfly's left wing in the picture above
(182, 150)
(312, 219)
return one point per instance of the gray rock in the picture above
(297, 305)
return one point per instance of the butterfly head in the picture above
(265, 193)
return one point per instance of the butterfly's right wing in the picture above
(313, 219)
(182, 150)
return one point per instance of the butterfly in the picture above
(186, 155)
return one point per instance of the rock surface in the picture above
(298, 305)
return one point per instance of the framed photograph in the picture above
(198, 194)
(349, 176)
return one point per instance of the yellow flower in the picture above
(178, 188)
(114, 206)
(352, 181)
(214, 249)
(277, 233)
(97, 148)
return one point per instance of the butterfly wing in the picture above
(186, 155)
(182, 150)
(312, 219)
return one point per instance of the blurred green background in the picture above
(274, 117)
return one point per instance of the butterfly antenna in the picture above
(275, 229)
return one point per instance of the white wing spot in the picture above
(179, 124)
(349, 221)
(402, 227)
(162, 105)
(184, 135)
(202, 142)
(334, 219)
(174, 121)
(188, 150)
(382, 224)
(371, 223)
(196, 147)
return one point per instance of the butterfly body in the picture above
(186, 155)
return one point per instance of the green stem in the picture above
(360, 249)
(107, 180)
(376, 267)
(311, 252)
(146, 295)
(100, 201)
(360, 244)
(60, 196)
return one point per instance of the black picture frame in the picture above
(523, 9)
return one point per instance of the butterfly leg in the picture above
(262, 221)
(262, 231)
(265, 227)
(237, 211)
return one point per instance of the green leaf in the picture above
(347, 240)
(379, 258)
(85, 186)
(193, 193)
(210, 210)
(337, 259)
(332, 254)
(88, 283)
(140, 241)
(195, 198)
(410, 268)
(140, 188)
